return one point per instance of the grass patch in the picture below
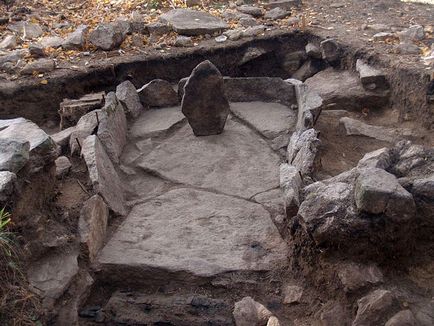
(18, 305)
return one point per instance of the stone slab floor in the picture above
(200, 205)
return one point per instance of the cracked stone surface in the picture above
(270, 119)
(197, 232)
(156, 122)
(237, 162)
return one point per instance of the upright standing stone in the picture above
(204, 103)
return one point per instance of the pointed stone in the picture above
(204, 103)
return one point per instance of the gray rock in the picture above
(36, 51)
(52, 42)
(371, 77)
(284, 4)
(374, 308)
(126, 93)
(221, 38)
(43, 150)
(8, 42)
(86, 126)
(103, 175)
(356, 276)
(92, 225)
(234, 34)
(254, 31)
(309, 105)
(7, 185)
(248, 312)
(271, 200)
(270, 119)
(307, 70)
(407, 48)
(251, 10)
(343, 90)
(158, 93)
(263, 89)
(77, 39)
(378, 27)
(302, 151)
(250, 166)
(12, 57)
(183, 41)
(156, 122)
(330, 50)
(327, 211)
(51, 275)
(252, 53)
(413, 33)
(158, 29)
(424, 187)
(292, 294)
(204, 102)
(383, 36)
(273, 321)
(8, 122)
(292, 61)
(14, 154)
(26, 30)
(107, 36)
(381, 158)
(313, 51)
(402, 318)
(71, 110)
(191, 22)
(196, 219)
(39, 66)
(112, 128)
(277, 13)
(358, 128)
(138, 23)
(378, 192)
(63, 165)
(290, 184)
(248, 21)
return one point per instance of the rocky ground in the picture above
(38, 37)
(287, 182)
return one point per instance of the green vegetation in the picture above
(18, 306)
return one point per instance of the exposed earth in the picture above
(214, 163)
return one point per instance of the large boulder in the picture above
(43, 150)
(204, 102)
(248, 312)
(7, 185)
(107, 36)
(328, 213)
(103, 175)
(302, 150)
(343, 90)
(379, 192)
(127, 95)
(374, 308)
(158, 93)
(112, 127)
(14, 154)
(192, 22)
(93, 225)
(51, 276)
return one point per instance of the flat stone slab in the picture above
(197, 232)
(344, 90)
(192, 22)
(156, 122)
(236, 162)
(270, 119)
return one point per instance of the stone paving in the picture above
(205, 215)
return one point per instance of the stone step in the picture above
(189, 235)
